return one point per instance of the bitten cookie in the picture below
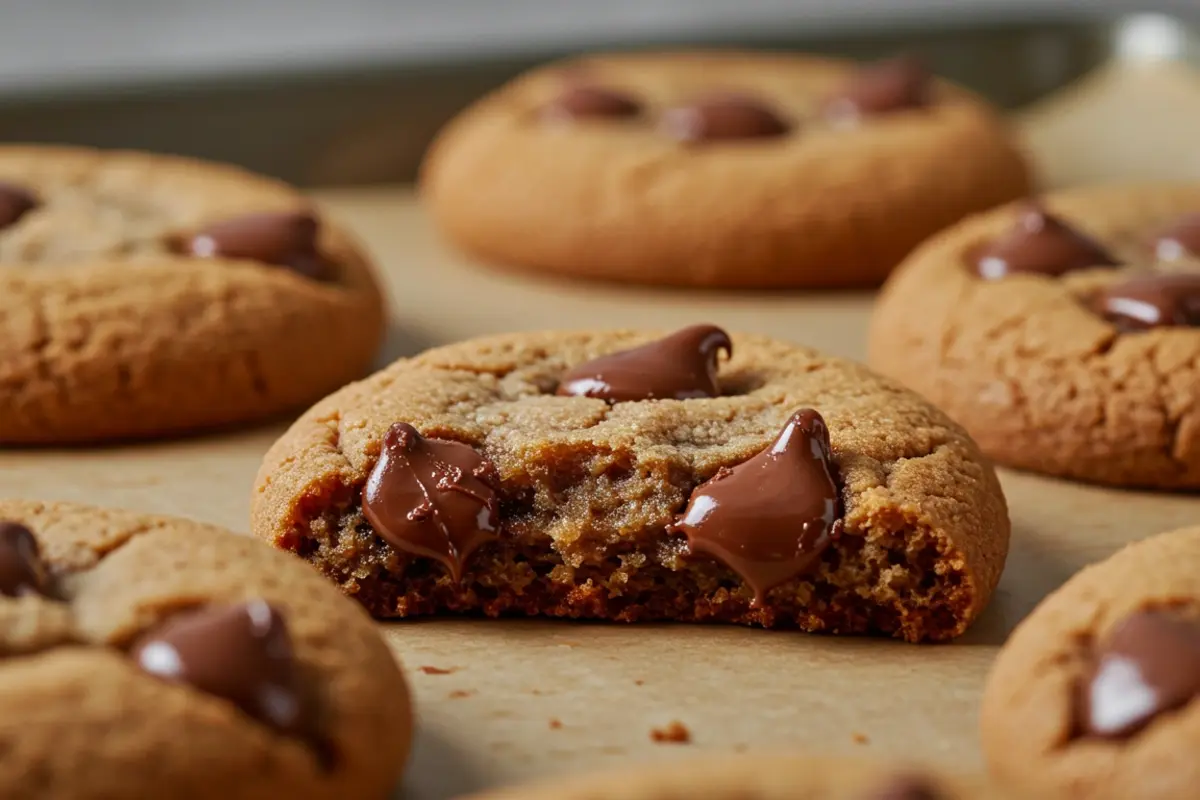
(715, 169)
(1094, 695)
(143, 295)
(624, 476)
(765, 777)
(1061, 333)
(153, 657)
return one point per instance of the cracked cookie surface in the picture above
(766, 777)
(1033, 714)
(1040, 379)
(619, 198)
(587, 490)
(83, 721)
(109, 329)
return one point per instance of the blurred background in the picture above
(338, 92)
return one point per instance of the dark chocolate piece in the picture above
(682, 366)
(432, 498)
(770, 518)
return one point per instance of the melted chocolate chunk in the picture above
(1150, 301)
(285, 239)
(21, 568)
(584, 101)
(881, 88)
(683, 366)
(1179, 240)
(723, 117)
(241, 653)
(1149, 665)
(432, 498)
(1039, 243)
(770, 518)
(15, 202)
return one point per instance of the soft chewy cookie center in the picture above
(639, 489)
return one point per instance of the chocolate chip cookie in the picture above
(632, 476)
(714, 169)
(142, 296)
(765, 777)
(154, 657)
(1094, 696)
(1061, 332)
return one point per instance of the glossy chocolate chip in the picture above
(881, 88)
(242, 653)
(15, 202)
(723, 117)
(1042, 244)
(770, 518)
(285, 239)
(585, 101)
(1150, 301)
(1149, 665)
(683, 366)
(432, 498)
(1179, 240)
(21, 568)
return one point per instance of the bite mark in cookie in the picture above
(592, 494)
(770, 518)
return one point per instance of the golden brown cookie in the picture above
(155, 657)
(765, 777)
(731, 169)
(143, 295)
(1051, 331)
(1094, 695)
(528, 474)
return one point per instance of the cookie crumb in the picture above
(438, 670)
(860, 738)
(555, 724)
(639, 682)
(460, 693)
(674, 733)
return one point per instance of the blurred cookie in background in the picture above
(717, 169)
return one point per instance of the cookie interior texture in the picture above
(1027, 364)
(766, 777)
(110, 329)
(82, 720)
(1029, 719)
(620, 199)
(588, 489)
